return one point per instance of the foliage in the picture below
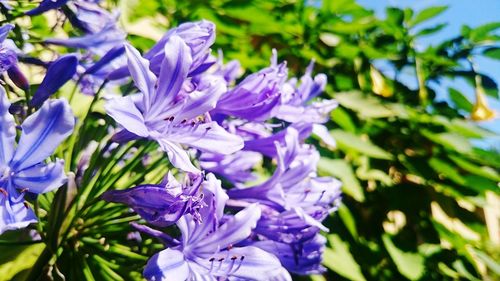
(419, 194)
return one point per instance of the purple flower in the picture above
(59, 72)
(22, 168)
(255, 97)
(296, 105)
(162, 204)
(99, 43)
(198, 37)
(45, 6)
(266, 144)
(90, 17)
(301, 258)
(8, 60)
(294, 183)
(236, 167)
(172, 110)
(206, 251)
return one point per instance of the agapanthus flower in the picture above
(99, 43)
(198, 37)
(301, 258)
(58, 73)
(170, 109)
(46, 5)
(297, 105)
(294, 183)
(207, 251)
(90, 17)
(8, 59)
(6, 4)
(236, 167)
(163, 204)
(22, 168)
(255, 97)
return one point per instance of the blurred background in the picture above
(417, 127)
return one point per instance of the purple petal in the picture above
(144, 79)
(46, 5)
(177, 156)
(100, 42)
(302, 258)
(124, 111)
(18, 78)
(42, 132)
(106, 59)
(58, 73)
(321, 131)
(234, 230)
(159, 205)
(7, 129)
(14, 214)
(207, 137)
(203, 99)
(41, 178)
(168, 264)
(173, 72)
(4, 31)
(8, 58)
(244, 263)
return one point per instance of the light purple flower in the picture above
(170, 109)
(45, 6)
(236, 167)
(255, 97)
(59, 72)
(162, 204)
(207, 251)
(8, 59)
(297, 104)
(294, 183)
(22, 168)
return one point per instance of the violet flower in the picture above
(296, 104)
(236, 167)
(206, 251)
(59, 72)
(198, 36)
(168, 112)
(294, 183)
(255, 97)
(8, 60)
(45, 6)
(163, 204)
(22, 168)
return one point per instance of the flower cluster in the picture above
(213, 126)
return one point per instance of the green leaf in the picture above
(350, 142)
(449, 140)
(342, 170)
(427, 14)
(410, 265)
(17, 259)
(468, 129)
(446, 170)
(368, 106)
(342, 118)
(483, 171)
(339, 259)
(431, 30)
(483, 32)
(348, 219)
(493, 52)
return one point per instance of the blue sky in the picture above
(460, 12)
